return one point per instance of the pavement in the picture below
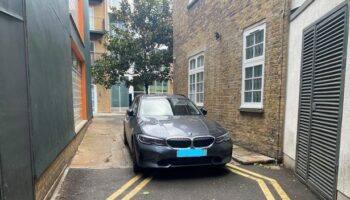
(102, 146)
(102, 170)
(246, 157)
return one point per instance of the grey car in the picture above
(164, 131)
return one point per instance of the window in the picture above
(253, 67)
(114, 3)
(159, 87)
(196, 79)
(78, 84)
(92, 46)
(77, 95)
(92, 18)
(114, 24)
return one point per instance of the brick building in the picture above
(230, 57)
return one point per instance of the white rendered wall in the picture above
(344, 155)
(314, 12)
(296, 3)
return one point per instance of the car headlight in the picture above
(223, 138)
(146, 139)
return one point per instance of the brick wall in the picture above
(47, 182)
(194, 30)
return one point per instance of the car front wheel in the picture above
(125, 140)
(136, 167)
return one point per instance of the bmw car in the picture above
(164, 131)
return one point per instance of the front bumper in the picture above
(152, 156)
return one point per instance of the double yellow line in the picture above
(235, 169)
(127, 185)
(260, 180)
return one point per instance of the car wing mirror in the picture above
(204, 111)
(130, 112)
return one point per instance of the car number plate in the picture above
(191, 153)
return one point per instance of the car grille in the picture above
(197, 142)
(203, 141)
(179, 142)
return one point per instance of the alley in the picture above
(101, 169)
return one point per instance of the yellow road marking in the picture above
(273, 182)
(124, 187)
(260, 182)
(137, 189)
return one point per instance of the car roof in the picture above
(149, 96)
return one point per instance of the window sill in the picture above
(251, 110)
(199, 104)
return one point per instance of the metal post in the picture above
(120, 108)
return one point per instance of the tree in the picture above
(142, 47)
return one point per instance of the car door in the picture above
(130, 121)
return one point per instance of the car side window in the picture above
(135, 106)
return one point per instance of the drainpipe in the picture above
(280, 125)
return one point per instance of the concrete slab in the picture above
(247, 157)
(103, 147)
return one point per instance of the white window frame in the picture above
(91, 18)
(260, 60)
(194, 72)
(155, 86)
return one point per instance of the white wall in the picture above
(296, 3)
(344, 156)
(315, 11)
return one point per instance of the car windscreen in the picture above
(167, 107)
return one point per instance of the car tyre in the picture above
(125, 140)
(136, 168)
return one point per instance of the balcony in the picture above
(95, 2)
(95, 56)
(97, 27)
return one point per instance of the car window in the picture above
(135, 106)
(167, 107)
(155, 107)
(184, 107)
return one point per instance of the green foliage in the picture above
(144, 43)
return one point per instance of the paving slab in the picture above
(102, 146)
(247, 157)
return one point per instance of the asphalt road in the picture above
(102, 170)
